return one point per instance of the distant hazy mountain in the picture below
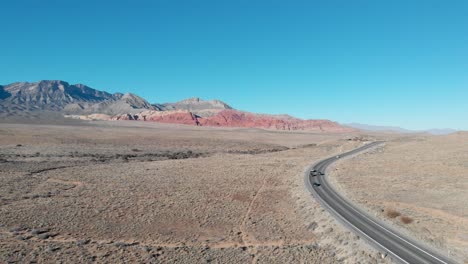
(379, 128)
(197, 106)
(443, 131)
(393, 129)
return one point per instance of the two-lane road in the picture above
(400, 247)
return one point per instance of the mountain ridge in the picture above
(80, 101)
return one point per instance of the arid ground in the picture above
(110, 192)
(418, 184)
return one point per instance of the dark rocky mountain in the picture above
(3, 94)
(61, 96)
(121, 103)
(53, 93)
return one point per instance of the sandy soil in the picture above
(112, 192)
(419, 184)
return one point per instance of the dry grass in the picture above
(392, 213)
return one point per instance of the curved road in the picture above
(398, 246)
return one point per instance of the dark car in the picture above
(313, 173)
(316, 184)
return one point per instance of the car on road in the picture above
(313, 173)
(316, 184)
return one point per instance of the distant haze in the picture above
(399, 129)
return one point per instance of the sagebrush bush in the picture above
(392, 213)
(406, 220)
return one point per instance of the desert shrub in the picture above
(392, 213)
(82, 242)
(44, 236)
(121, 244)
(39, 231)
(406, 220)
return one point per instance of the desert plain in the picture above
(111, 192)
(140, 192)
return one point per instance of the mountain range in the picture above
(83, 102)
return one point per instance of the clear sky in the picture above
(402, 63)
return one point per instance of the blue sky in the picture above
(402, 63)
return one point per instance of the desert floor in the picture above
(418, 184)
(112, 192)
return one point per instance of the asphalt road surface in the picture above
(389, 241)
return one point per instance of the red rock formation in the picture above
(125, 117)
(234, 118)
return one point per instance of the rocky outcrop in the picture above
(126, 117)
(91, 117)
(173, 117)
